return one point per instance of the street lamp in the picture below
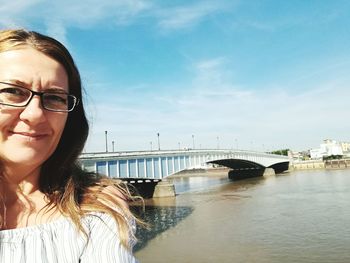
(217, 142)
(158, 142)
(106, 141)
(193, 146)
(151, 146)
(179, 145)
(112, 146)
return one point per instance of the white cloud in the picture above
(13, 14)
(187, 16)
(58, 15)
(91, 12)
(55, 17)
(56, 29)
(17, 6)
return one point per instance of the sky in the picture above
(254, 75)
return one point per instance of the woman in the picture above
(50, 210)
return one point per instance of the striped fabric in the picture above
(59, 241)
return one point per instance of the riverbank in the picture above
(295, 165)
(319, 164)
(210, 172)
(307, 165)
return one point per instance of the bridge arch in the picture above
(238, 164)
(242, 169)
(280, 167)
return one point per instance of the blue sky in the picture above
(258, 75)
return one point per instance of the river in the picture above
(301, 216)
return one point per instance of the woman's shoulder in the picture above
(59, 225)
(63, 224)
(45, 242)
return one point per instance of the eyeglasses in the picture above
(17, 96)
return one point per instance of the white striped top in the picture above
(59, 241)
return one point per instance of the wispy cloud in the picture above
(14, 13)
(276, 16)
(210, 72)
(186, 16)
(56, 16)
(59, 15)
(91, 12)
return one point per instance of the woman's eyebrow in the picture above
(16, 82)
(55, 89)
(26, 85)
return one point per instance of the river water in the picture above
(301, 216)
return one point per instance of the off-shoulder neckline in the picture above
(54, 222)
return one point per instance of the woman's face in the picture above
(29, 135)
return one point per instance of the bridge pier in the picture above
(164, 189)
(269, 172)
(143, 186)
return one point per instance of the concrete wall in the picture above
(307, 165)
(337, 164)
(319, 164)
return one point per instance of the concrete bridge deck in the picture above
(160, 164)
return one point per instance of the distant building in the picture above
(316, 154)
(328, 148)
(299, 156)
(345, 146)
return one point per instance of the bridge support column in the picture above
(164, 189)
(269, 172)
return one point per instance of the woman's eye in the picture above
(13, 91)
(56, 98)
(13, 95)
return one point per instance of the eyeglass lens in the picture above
(19, 97)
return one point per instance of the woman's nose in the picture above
(33, 112)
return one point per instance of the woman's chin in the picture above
(27, 157)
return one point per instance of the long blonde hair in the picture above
(68, 188)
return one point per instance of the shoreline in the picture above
(320, 164)
(337, 164)
(212, 172)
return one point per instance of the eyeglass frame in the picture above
(40, 94)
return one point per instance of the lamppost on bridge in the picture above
(112, 146)
(179, 145)
(106, 141)
(236, 144)
(158, 141)
(151, 146)
(217, 142)
(193, 145)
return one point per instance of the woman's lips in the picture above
(29, 135)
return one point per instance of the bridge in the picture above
(161, 164)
